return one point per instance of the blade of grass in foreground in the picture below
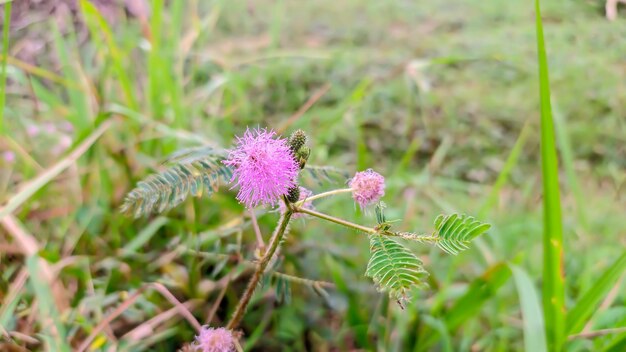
(466, 307)
(5, 58)
(102, 32)
(534, 334)
(55, 336)
(585, 307)
(29, 188)
(553, 278)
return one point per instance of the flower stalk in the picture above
(339, 221)
(323, 195)
(260, 269)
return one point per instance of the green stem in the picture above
(431, 239)
(334, 219)
(260, 269)
(5, 58)
(322, 195)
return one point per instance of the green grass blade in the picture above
(31, 187)
(553, 278)
(510, 163)
(585, 307)
(80, 114)
(99, 28)
(534, 334)
(469, 305)
(480, 291)
(156, 70)
(56, 333)
(5, 58)
(567, 155)
(144, 236)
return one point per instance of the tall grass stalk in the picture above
(553, 276)
(5, 58)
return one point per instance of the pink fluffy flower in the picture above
(367, 187)
(304, 194)
(263, 166)
(214, 340)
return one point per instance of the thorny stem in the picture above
(322, 195)
(260, 269)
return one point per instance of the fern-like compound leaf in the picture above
(394, 268)
(190, 155)
(454, 232)
(321, 174)
(196, 174)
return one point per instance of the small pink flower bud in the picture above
(214, 340)
(367, 187)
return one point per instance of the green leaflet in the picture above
(321, 174)
(454, 232)
(195, 175)
(394, 268)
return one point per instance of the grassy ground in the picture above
(434, 95)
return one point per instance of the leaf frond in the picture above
(321, 174)
(454, 232)
(194, 173)
(191, 155)
(394, 268)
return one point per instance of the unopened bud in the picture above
(297, 140)
(293, 194)
(302, 156)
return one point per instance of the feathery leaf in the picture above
(322, 174)
(394, 268)
(196, 172)
(454, 232)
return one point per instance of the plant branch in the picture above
(257, 231)
(430, 239)
(592, 334)
(334, 219)
(260, 269)
(322, 195)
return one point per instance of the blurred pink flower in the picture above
(49, 127)
(214, 340)
(65, 142)
(367, 187)
(8, 156)
(263, 166)
(67, 126)
(32, 130)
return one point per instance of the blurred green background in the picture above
(441, 97)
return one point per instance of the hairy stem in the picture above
(335, 220)
(430, 239)
(322, 195)
(260, 269)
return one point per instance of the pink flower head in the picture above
(367, 187)
(263, 166)
(214, 340)
(304, 194)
